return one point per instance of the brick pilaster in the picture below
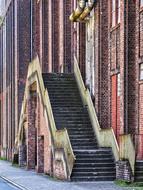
(32, 135)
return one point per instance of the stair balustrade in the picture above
(105, 137)
(60, 138)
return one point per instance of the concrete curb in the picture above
(13, 183)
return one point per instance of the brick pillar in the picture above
(40, 155)
(104, 107)
(22, 155)
(123, 171)
(40, 143)
(31, 136)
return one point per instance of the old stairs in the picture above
(93, 163)
(139, 171)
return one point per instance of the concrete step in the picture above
(97, 169)
(93, 173)
(106, 164)
(92, 163)
(93, 178)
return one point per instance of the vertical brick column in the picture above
(40, 142)
(114, 104)
(40, 154)
(55, 35)
(140, 136)
(132, 70)
(22, 155)
(104, 117)
(31, 136)
(67, 36)
(82, 48)
(123, 171)
(36, 26)
(50, 52)
(45, 28)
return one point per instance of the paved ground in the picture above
(31, 181)
(6, 186)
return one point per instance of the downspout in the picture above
(76, 13)
(87, 9)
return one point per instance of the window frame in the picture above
(141, 71)
(141, 3)
(116, 13)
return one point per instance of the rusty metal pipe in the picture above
(87, 9)
(76, 13)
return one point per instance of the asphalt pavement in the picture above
(4, 185)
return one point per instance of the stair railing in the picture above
(60, 138)
(105, 137)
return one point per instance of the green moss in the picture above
(135, 185)
(3, 158)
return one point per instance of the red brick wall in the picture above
(38, 136)
(114, 104)
(45, 22)
(132, 70)
(68, 32)
(24, 47)
(104, 107)
(141, 109)
(117, 50)
(82, 49)
(43, 35)
(138, 89)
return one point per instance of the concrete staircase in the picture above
(92, 162)
(139, 171)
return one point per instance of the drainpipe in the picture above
(76, 13)
(87, 9)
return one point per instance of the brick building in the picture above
(105, 38)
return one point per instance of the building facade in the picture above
(106, 41)
(30, 28)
